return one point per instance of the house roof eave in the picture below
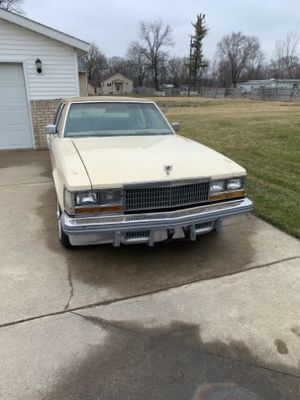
(44, 30)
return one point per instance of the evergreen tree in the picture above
(197, 61)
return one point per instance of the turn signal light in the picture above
(227, 196)
(99, 209)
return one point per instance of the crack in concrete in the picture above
(104, 323)
(70, 280)
(139, 295)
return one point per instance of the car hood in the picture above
(114, 161)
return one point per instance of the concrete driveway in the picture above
(219, 316)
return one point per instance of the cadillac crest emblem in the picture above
(168, 169)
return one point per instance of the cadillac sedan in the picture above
(123, 175)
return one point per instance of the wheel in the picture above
(63, 238)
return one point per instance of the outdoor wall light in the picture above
(38, 64)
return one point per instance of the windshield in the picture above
(115, 119)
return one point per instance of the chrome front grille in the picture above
(165, 197)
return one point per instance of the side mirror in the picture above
(176, 126)
(51, 129)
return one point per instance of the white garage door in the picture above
(15, 131)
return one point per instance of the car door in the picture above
(54, 149)
(53, 138)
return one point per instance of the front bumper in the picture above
(151, 227)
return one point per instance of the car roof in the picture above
(113, 99)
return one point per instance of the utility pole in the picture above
(190, 66)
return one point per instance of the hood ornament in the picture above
(168, 169)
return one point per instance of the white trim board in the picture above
(44, 30)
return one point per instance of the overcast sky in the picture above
(113, 24)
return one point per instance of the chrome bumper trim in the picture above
(120, 224)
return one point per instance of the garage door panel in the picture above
(12, 72)
(15, 130)
(12, 97)
(16, 142)
(13, 117)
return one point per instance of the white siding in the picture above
(60, 75)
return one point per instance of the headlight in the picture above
(86, 199)
(235, 184)
(112, 196)
(90, 202)
(217, 187)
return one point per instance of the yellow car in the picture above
(123, 175)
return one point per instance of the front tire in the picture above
(62, 236)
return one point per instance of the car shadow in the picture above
(170, 363)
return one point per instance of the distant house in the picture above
(250, 86)
(116, 84)
(112, 84)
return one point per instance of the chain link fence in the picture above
(272, 94)
(275, 94)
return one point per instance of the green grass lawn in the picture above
(264, 137)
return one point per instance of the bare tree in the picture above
(177, 71)
(213, 73)
(96, 64)
(237, 54)
(285, 64)
(137, 63)
(118, 64)
(156, 38)
(12, 5)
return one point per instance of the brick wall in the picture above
(43, 113)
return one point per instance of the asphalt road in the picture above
(214, 319)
